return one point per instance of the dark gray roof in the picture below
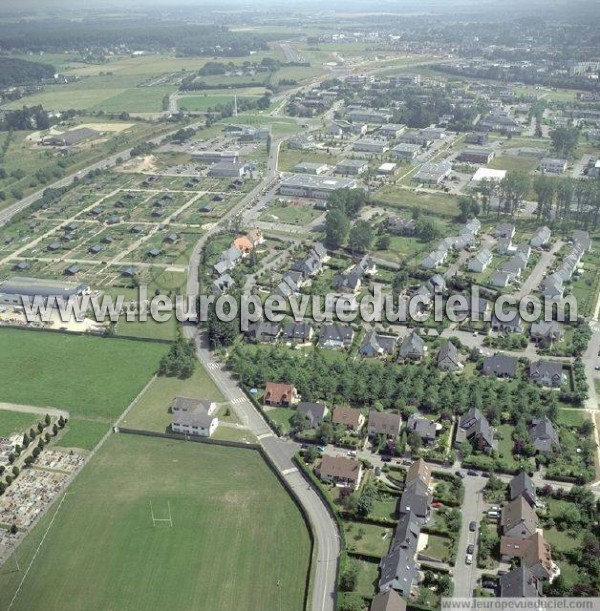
(500, 365)
(415, 499)
(374, 344)
(315, 412)
(474, 423)
(448, 350)
(522, 485)
(543, 435)
(335, 332)
(398, 567)
(31, 287)
(425, 428)
(519, 583)
(412, 344)
(297, 330)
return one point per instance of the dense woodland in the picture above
(150, 35)
(15, 71)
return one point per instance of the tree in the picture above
(361, 236)
(180, 361)
(337, 228)
(513, 188)
(349, 577)
(383, 243)
(414, 441)
(564, 141)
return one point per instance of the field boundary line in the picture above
(18, 590)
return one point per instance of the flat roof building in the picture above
(318, 187)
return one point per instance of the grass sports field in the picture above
(226, 506)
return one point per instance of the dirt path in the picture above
(30, 409)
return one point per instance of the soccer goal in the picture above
(162, 517)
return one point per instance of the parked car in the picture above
(386, 459)
(352, 453)
(471, 472)
(470, 548)
(469, 559)
(472, 526)
(460, 474)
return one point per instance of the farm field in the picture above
(91, 377)
(222, 500)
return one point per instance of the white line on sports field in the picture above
(14, 598)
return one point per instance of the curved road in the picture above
(326, 537)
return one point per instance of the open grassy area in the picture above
(291, 214)
(368, 539)
(151, 413)
(92, 377)
(437, 547)
(442, 204)
(226, 505)
(83, 434)
(16, 422)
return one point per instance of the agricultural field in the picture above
(91, 377)
(225, 505)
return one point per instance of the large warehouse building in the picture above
(318, 187)
(13, 290)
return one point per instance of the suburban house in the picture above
(335, 336)
(280, 394)
(388, 601)
(546, 373)
(535, 554)
(425, 428)
(348, 417)
(480, 262)
(522, 485)
(416, 499)
(375, 344)
(448, 358)
(474, 427)
(419, 471)
(398, 569)
(541, 237)
(519, 583)
(505, 230)
(510, 323)
(500, 365)
(193, 417)
(413, 347)
(297, 332)
(340, 470)
(313, 412)
(434, 259)
(549, 165)
(384, 423)
(500, 279)
(545, 333)
(543, 436)
(263, 332)
(519, 519)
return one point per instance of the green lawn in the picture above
(282, 416)
(368, 539)
(442, 204)
(437, 547)
(151, 412)
(83, 434)
(368, 576)
(226, 505)
(16, 422)
(291, 214)
(150, 328)
(89, 376)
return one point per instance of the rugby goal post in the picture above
(162, 521)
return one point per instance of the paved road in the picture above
(280, 451)
(539, 271)
(465, 576)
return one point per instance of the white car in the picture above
(469, 559)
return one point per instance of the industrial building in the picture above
(14, 290)
(318, 187)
